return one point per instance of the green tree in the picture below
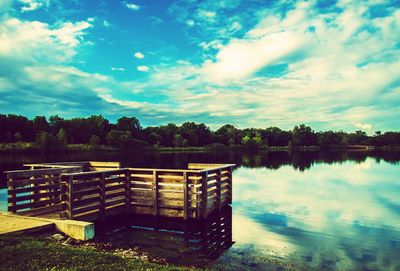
(61, 138)
(304, 136)
(178, 140)
(129, 124)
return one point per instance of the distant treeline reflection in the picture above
(300, 160)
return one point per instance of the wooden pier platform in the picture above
(92, 191)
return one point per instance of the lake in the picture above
(300, 210)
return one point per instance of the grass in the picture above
(24, 252)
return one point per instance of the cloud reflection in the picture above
(333, 209)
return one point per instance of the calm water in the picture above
(310, 210)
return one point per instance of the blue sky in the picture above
(329, 64)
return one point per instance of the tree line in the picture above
(56, 132)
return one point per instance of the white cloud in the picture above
(31, 5)
(139, 55)
(363, 126)
(190, 23)
(133, 7)
(206, 16)
(117, 69)
(240, 58)
(143, 68)
(30, 40)
(106, 23)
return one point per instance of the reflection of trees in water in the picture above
(300, 160)
(180, 242)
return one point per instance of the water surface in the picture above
(310, 210)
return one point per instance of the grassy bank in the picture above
(24, 252)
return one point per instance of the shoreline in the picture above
(27, 147)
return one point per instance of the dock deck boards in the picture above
(15, 223)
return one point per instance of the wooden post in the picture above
(11, 196)
(218, 190)
(63, 198)
(185, 196)
(204, 195)
(70, 197)
(127, 191)
(102, 211)
(230, 187)
(155, 192)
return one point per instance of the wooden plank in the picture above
(115, 179)
(230, 185)
(35, 181)
(102, 199)
(105, 164)
(142, 192)
(204, 194)
(143, 203)
(128, 191)
(94, 174)
(218, 185)
(86, 184)
(114, 195)
(86, 209)
(11, 187)
(40, 172)
(32, 204)
(161, 169)
(34, 196)
(86, 192)
(115, 202)
(185, 196)
(39, 211)
(171, 202)
(69, 197)
(141, 185)
(115, 187)
(171, 194)
(16, 191)
(206, 166)
(86, 201)
(155, 192)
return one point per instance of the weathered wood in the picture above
(86, 184)
(185, 196)
(120, 193)
(230, 185)
(218, 185)
(31, 205)
(33, 196)
(11, 195)
(155, 191)
(40, 172)
(160, 192)
(69, 198)
(102, 198)
(204, 195)
(86, 209)
(32, 181)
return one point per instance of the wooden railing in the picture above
(192, 193)
(85, 165)
(36, 192)
(94, 195)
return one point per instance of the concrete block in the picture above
(79, 230)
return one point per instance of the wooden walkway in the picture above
(17, 224)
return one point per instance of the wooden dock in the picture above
(91, 191)
(16, 224)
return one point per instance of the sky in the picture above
(333, 65)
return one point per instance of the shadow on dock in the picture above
(189, 243)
